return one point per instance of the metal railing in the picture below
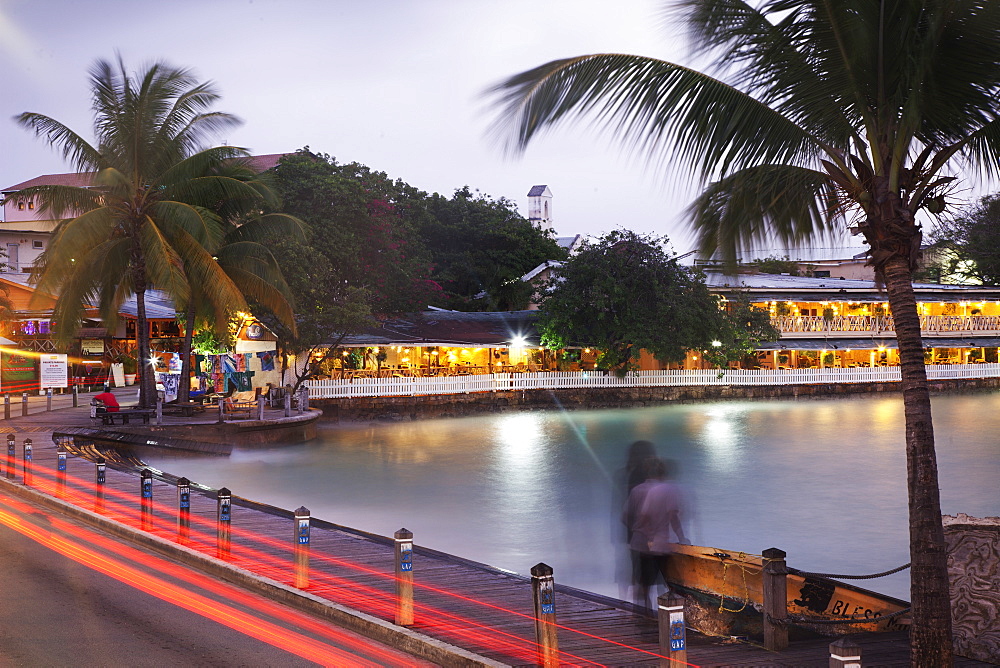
(564, 380)
(930, 325)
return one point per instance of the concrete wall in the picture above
(974, 569)
(455, 405)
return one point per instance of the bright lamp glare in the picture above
(518, 342)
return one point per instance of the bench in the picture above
(232, 406)
(125, 415)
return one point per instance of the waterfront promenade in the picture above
(469, 607)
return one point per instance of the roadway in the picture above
(71, 595)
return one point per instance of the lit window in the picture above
(37, 243)
(31, 205)
(20, 206)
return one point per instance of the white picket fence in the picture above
(564, 380)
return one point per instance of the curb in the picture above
(399, 637)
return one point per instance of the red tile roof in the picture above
(73, 179)
(262, 163)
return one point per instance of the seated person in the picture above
(108, 399)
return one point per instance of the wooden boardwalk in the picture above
(470, 605)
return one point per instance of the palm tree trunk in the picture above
(147, 377)
(930, 635)
(184, 387)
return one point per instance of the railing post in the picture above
(6, 406)
(301, 547)
(544, 594)
(48, 399)
(225, 520)
(159, 410)
(304, 402)
(404, 577)
(100, 477)
(24, 404)
(146, 498)
(27, 461)
(775, 592)
(301, 401)
(673, 631)
(288, 404)
(183, 509)
(260, 408)
(845, 653)
(222, 411)
(10, 456)
(61, 456)
(76, 395)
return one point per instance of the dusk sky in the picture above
(397, 86)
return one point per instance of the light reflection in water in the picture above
(823, 479)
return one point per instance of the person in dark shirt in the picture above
(108, 399)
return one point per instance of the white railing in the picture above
(563, 380)
(883, 324)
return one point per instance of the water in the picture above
(822, 479)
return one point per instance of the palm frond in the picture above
(72, 146)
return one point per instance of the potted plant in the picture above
(131, 369)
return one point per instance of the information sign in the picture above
(53, 370)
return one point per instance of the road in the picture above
(70, 595)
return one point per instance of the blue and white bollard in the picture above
(302, 547)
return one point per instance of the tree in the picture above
(818, 113)
(968, 247)
(480, 247)
(624, 293)
(140, 224)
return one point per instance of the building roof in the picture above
(451, 328)
(80, 180)
(159, 306)
(262, 163)
(780, 287)
(537, 191)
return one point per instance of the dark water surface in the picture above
(822, 479)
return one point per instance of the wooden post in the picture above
(24, 404)
(146, 498)
(673, 631)
(76, 395)
(288, 403)
(159, 410)
(543, 590)
(222, 411)
(260, 408)
(100, 479)
(61, 455)
(183, 509)
(775, 585)
(845, 653)
(27, 461)
(10, 455)
(404, 577)
(301, 547)
(6, 407)
(225, 519)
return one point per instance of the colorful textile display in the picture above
(266, 360)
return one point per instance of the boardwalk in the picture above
(469, 605)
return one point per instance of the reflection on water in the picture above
(823, 480)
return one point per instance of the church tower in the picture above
(540, 206)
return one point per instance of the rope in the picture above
(836, 576)
(813, 620)
(725, 571)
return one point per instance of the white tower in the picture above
(540, 206)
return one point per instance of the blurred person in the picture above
(626, 478)
(108, 399)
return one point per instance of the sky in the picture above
(396, 85)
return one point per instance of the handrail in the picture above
(883, 324)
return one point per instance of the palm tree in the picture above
(139, 225)
(819, 114)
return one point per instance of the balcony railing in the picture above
(561, 380)
(868, 325)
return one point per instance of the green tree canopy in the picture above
(967, 248)
(480, 247)
(624, 293)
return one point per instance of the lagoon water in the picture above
(822, 479)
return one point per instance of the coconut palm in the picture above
(139, 225)
(818, 114)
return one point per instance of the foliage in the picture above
(968, 247)
(776, 265)
(144, 222)
(624, 292)
(740, 327)
(817, 114)
(480, 247)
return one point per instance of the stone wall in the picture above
(456, 405)
(974, 570)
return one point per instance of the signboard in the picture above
(17, 371)
(53, 370)
(118, 373)
(92, 347)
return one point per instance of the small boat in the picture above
(725, 597)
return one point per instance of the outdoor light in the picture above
(716, 343)
(518, 341)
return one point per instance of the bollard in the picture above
(183, 509)
(775, 599)
(301, 401)
(27, 461)
(61, 455)
(225, 519)
(10, 457)
(76, 395)
(305, 398)
(845, 653)
(288, 404)
(260, 408)
(6, 407)
(159, 410)
(24, 404)
(222, 411)
(146, 492)
(100, 466)
(544, 593)
(673, 631)
(301, 547)
(404, 577)
(48, 399)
